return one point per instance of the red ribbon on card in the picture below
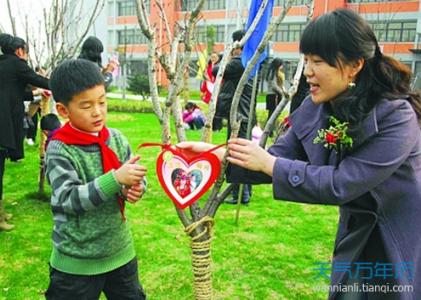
(184, 176)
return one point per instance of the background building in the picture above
(397, 25)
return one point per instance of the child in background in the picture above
(49, 125)
(193, 117)
(206, 88)
(256, 133)
(91, 172)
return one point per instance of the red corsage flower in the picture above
(335, 137)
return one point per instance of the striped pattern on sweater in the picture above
(89, 236)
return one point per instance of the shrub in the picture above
(130, 106)
(139, 84)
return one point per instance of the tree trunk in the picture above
(41, 182)
(174, 63)
(200, 233)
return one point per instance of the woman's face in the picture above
(214, 58)
(326, 82)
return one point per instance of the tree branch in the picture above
(11, 18)
(252, 62)
(291, 92)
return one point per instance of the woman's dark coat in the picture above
(15, 75)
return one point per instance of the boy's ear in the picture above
(62, 110)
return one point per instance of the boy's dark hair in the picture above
(50, 122)
(73, 77)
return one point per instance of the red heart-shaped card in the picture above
(185, 179)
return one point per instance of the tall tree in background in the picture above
(60, 30)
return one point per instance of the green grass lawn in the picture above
(271, 254)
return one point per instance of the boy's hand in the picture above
(134, 193)
(130, 173)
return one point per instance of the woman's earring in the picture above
(351, 85)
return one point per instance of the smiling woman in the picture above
(374, 178)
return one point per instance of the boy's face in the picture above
(86, 111)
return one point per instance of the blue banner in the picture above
(250, 46)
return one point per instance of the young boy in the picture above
(92, 245)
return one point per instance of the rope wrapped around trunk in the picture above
(201, 257)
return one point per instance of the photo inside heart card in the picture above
(185, 178)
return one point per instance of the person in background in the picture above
(193, 116)
(15, 76)
(92, 49)
(256, 133)
(34, 112)
(276, 90)
(371, 170)
(209, 78)
(49, 124)
(233, 72)
(303, 91)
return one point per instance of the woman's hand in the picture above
(110, 67)
(194, 148)
(250, 155)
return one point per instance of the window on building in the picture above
(128, 7)
(417, 68)
(202, 33)
(130, 37)
(138, 67)
(395, 31)
(282, 3)
(371, 1)
(193, 67)
(290, 67)
(189, 5)
(110, 9)
(110, 37)
(290, 32)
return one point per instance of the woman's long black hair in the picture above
(273, 68)
(91, 50)
(342, 37)
(9, 44)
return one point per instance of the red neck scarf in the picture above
(71, 136)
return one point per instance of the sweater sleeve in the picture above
(70, 195)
